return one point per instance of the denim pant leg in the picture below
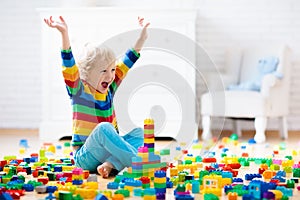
(135, 138)
(105, 143)
(91, 154)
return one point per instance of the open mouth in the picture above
(104, 84)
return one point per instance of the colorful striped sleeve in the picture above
(70, 72)
(124, 65)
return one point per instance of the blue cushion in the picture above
(265, 66)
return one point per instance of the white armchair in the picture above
(272, 100)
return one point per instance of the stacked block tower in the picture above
(149, 140)
(146, 162)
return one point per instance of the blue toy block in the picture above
(281, 179)
(77, 182)
(257, 188)
(285, 191)
(112, 185)
(137, 159)
(134, 183)
(28, 187)
(135, 167)
(247, 197)
(26, 160)
(237, 180)
(281, 173)
(13, 162)
(249, 177)
(169, 184)
(184, 197)
(224, 150)
(149, 192)
(50, 196)
(121, 185)
(5, 196)
(57, 168)
(228, 188)
(226, 174)
(153, 157)
(195, 187)
(34, 159)
(245, 187)
(211, 154)
(251, 141)
(159, 174)
(138, 192)
(101, 197)
(214, 165)
(51, 189)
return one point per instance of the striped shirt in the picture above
(91, 108)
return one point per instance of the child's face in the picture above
(107, 75)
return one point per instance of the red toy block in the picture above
(261, 170)
(43, 180)
(209, 160)
(234, 165)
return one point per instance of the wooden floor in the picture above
(10, 146)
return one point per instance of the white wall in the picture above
(220, 23)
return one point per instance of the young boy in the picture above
(91, 86)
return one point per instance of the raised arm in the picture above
(143, 36)
(62, 27)
(69, 67)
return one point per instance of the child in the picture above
(97, 145)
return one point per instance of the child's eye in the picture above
(103, 71)
(113, 70)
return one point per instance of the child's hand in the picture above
(61, 25)
(144, 34)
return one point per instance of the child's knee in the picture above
(137, 132)
(105, 128)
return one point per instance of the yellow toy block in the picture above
(278, 194)
(173, 172)
(146, 197)
(90, 185)
(148, 121)
(160, 180)
(215, 191)
(127, 187)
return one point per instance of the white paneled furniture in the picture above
(271, 101)
(111, 25)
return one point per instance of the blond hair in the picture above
(93, 60)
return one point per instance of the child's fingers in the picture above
(62, 19)
(51, 20)
(47, 22)
(148, 23)
(141, 20)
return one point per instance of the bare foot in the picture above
(104, 169)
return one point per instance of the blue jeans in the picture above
(105, 145)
